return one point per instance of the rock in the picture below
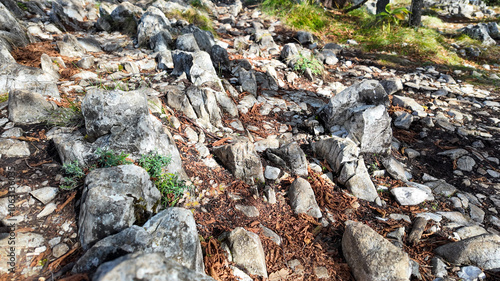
(248, 81)
(204, 104)
(466, 163)
(336, 151)
(247, 251)
(197, 66)
(493, 30)
(407, 102)
(29, 108)
(14, 148)
(482, 251)
(187, 42)
(409, 196)
(304, 37)
(471, 273)
(290, 156)
(160, 42)
(302, 198)
(26, 242)
(12, 32)
(204, 39)
(59, 250)
(479, 32)
(220, 58)
(403, 120)
(70, 47)
(110, 201)
(125, 17)
(47, 210)
(272, 173)
(271, 234)
(329, 57)
(476, 214)
(27, 78)
(147, 266)
(395, 168)
(454, 153)
(289, 53)
(5, 55)
(371, 257)
(470, 231)
(242, 160)
(70, 15)
(392, 86)
(152, 22)
(249, 211)
(358, 181)
(45, 194)
(438, 267)
(442, 188)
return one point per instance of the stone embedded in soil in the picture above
(45, 194)
(247, 251)
(409, 196)
(302, 198)
(14, 148)
(59, 250)
(47, 210)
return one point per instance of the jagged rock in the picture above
(329, 57)
(114, 199)
(371, 257)
(409, 103)
(304, 37)
(125, 18)
(441, 187)
(14, 148)
(152, 23)
(71, 146)
(160, 42)
(220, 58)
(403, 120)
(493, 30)
(29, 108)
(470, 231)
(357, 180)
(479, 32)
(147, 266)
(50, 65)
(482, 251)
(247, 252)
(34, 80)
(242, 160)
(466, 163)
(302, 198)
(11, 31)
(395, 168)
(187, 43)
(409, 196)
(70, 47)
(289, 52)
(248, 81)
(72, 15)
(290, 156)
(204, 104)
(197, 66)
(226, 103)
(337, 151)
(5, 55)
(204, 39)
(45, 194)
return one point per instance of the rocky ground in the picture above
(358, 172)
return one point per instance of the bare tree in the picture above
(416, 13)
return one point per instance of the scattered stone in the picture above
(409, 196)
(59, 250)
(302, 198)
(249, 211)
(47, 210)
(247, 251)
(272, 173)
(45, 194)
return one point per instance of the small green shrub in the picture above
(154, 163)
(305, 62)
(109, 158)
(202, 20)
(4, 97)
(73, 175)
(392, 16)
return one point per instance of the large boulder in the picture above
(35, 80)
(73, 15)
(147, 266)
(152, 22)
(371, 257)
(171, 232)
(482, 251)
(29, 108)
(291, 157)
(113, 199)
(11, 30)
(242, 160)
(479, 32)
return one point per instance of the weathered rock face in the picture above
(302, 198)
(10, 29)
(152, 266)
(247, 252)
(479, 32)
(482, 251)
(197, 66)
(337, 151)
(290, 156)
(152, 22)
(371, 257)
(112, 200)
(204, 104)
(71, 146)
(73, 15)
(171, 232)
(29, 108)
(242, 160)
(20, 77)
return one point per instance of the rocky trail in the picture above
(357, 172)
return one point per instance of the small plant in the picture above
(171, 187)
(392, 16)
(109, 158)
(74, 175)
(197, 18)
(303, 62)
(22, 6)
(4, 97)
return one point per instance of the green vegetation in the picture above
(305, 62)
(195, 17)
(171, 187)
(73, 175)
(300, 16)
(109, 158)
(392, 16)
(4, 97)
(22, 6)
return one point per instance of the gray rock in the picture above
(11, 30)
(329, 57)
(187, 42)
(466, 163)
(197, 66)
(5, 55)
(271, 234)
(482, 251)
(45, 194)
(29, 107)
(70, 47)
(456, 217)
(395, 168)
(59, 250)
(204, 39)
(110, 201)
(407, 102)
(470, 231)
(337, 151)
(302, 198)
(14, 148)
(152, 22)
(438, 267)
(247, 252)
(249, 211)
(371, 257)
(226, 103)
(125, 18)
(147, 266)
(290, 156)
(476, 214)
(289, 52)
(272, 173)
(242, 160)
(161, 41)
(372, 128)
(220, 58)
(358, 181)
(204, 104)
(403, 120)
(409, 196)
(20, 77)
(493, 30)
(304, 37)
(471, 273)
(248, 81)
(47, 210)
(13, 133)
(479, 32)
(454, 153)
(442, 188)
(70, 15)
(392, 86)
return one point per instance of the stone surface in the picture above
(302, 198)
(45, 194)
(409, 196)
(29, 108)
(371, 257)
(247, 252)
(290, 156)
(337, 151)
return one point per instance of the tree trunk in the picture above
(416, 13)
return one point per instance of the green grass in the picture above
(200, 19)
(4, 97)
(303, 16)
(109, 158)
(305, 62)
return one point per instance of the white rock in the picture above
(409, 196)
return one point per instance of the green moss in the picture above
(4, 97)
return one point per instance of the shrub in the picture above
(109, 158)
(305, 62)
(74, 175)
